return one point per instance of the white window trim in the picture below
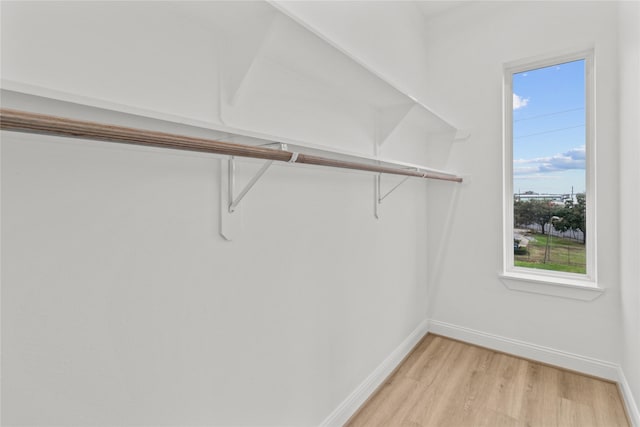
(569, 285)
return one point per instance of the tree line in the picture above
(571, 216)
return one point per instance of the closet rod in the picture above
(22, 121)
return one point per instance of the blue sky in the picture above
(549, 129)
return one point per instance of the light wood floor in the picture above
(448, 383)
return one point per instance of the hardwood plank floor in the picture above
(444, 382)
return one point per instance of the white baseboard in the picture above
(551, 356)
(629, 401)
(351, 404)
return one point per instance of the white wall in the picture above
(122, 53)
(467, 49)
(629, 87)
(122, 305)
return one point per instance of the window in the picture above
(549, 176)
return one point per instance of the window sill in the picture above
(555, 286)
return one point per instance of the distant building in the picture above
(558, 199)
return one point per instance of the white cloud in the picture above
(578, 153)
(537, 177)
(572, 159)
(519, 102)
(526, 170)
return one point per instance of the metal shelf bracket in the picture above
(234, 202)
(230, 218)
(378, 196)
(230, 215)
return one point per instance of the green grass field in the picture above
(565, 255)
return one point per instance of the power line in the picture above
(548, 131)
(549, 114)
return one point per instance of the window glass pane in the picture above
(549, 172)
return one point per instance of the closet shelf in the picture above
(283, 57)
(22, 121)
(396, 97)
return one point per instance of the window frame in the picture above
(538, 280)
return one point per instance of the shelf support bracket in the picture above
(230, 216)
(241, 56)
(234, 202)
(387, 120)
(230, 220)
(379, 197)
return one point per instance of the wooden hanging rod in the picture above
(22, 121)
